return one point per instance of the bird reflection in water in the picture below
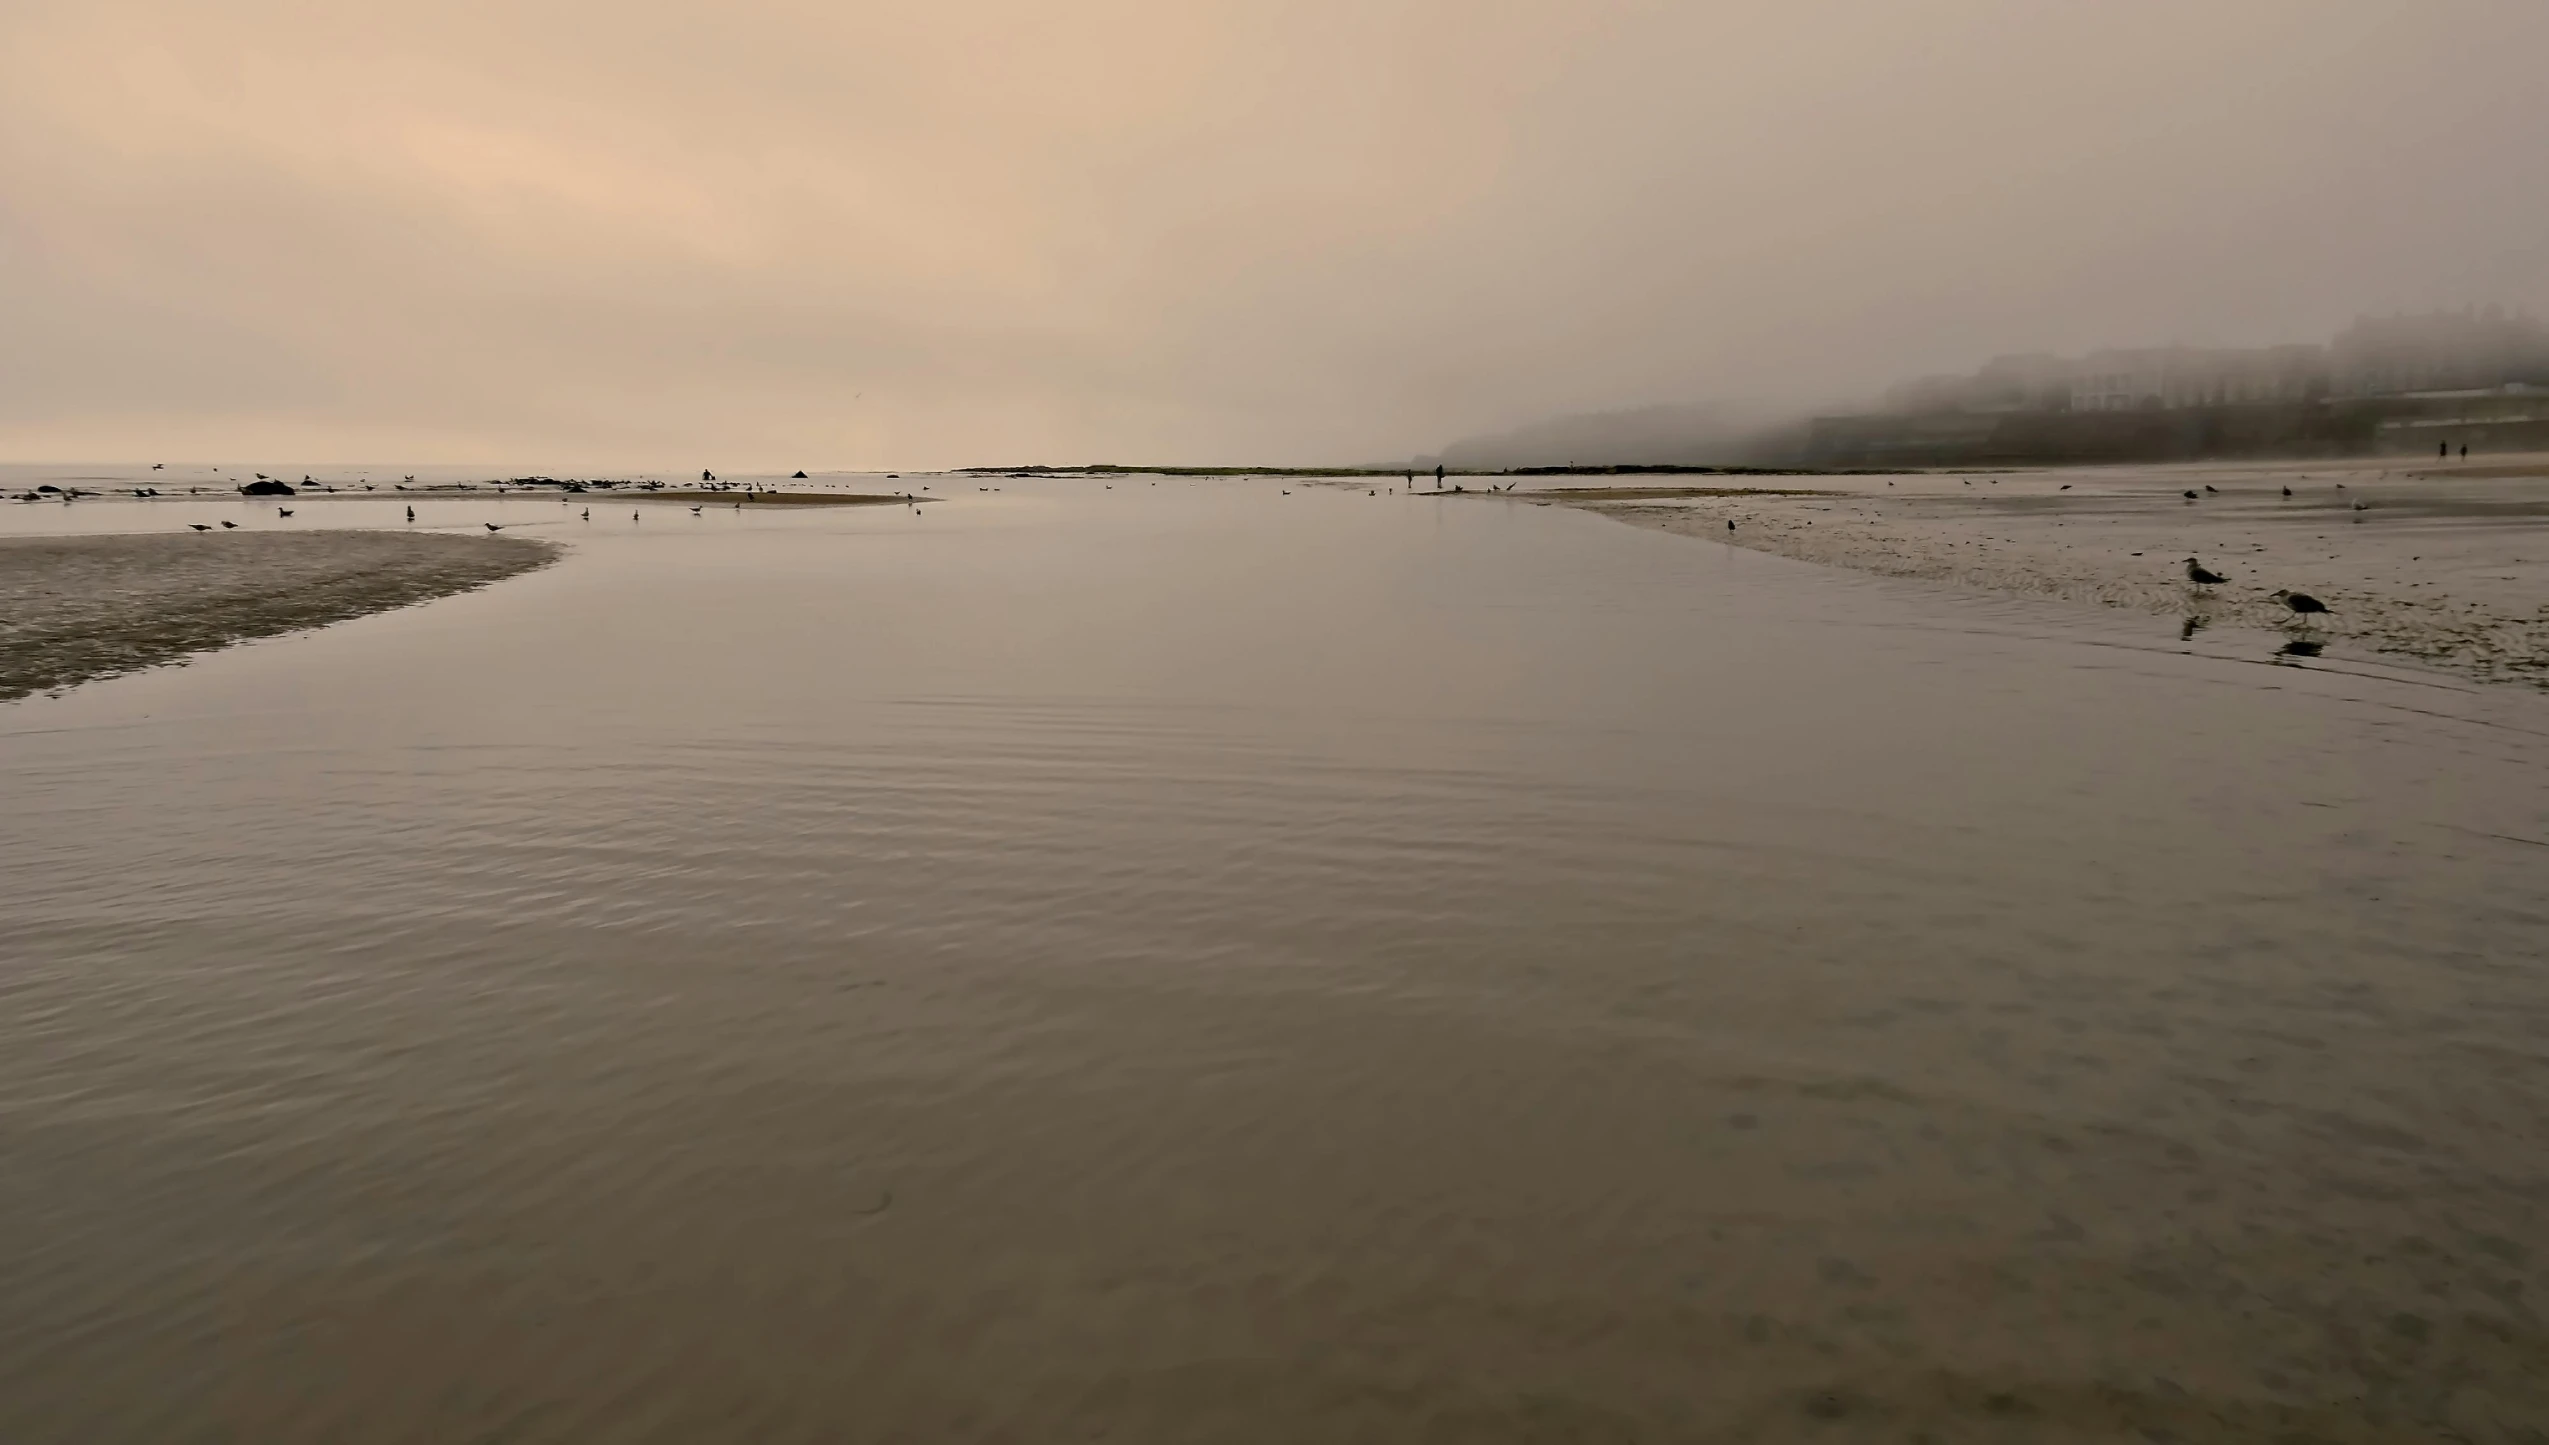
(2299, 647)
(2194, 623)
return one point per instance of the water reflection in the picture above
(1192, 963)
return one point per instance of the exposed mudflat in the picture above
(2447, 565)
(76, 608)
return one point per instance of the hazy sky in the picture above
(751, 233)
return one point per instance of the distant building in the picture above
(2150, 379)
(2398, 384)
(2442, 351)
(2176, 377)
(2030, 382)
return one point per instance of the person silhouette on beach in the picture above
(1438, 476)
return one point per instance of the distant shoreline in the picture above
(1113, 469)
(777, 499)
(74, 609)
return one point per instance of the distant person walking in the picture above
(1438, 476)
(2442, 451)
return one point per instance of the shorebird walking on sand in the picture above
(490, 526)
(2196, 574)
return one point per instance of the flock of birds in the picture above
(2301, 604)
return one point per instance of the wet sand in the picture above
(2447, 565)
(76, 608)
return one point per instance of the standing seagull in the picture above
(2196, 574)
(198, 526)
(2302, 603)
(227, 526)
(490, 526)
(411, 514)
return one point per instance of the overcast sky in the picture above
(758, 234)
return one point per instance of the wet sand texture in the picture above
(2448, 568)
(76, 608)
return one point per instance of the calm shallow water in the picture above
(1192, 963)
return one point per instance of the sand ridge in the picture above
(76, 608)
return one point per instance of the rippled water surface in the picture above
(1189, 962)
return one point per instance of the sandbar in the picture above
(770, 499)
(76, 608)
(2445, 564)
